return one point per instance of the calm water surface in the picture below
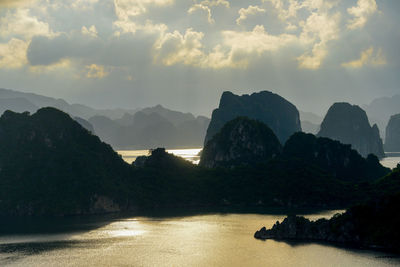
(201, 240)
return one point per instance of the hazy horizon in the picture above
(184, 54)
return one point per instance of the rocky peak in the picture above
(349, 124)
(275, 111)
(241, 141)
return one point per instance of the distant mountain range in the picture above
(122, 128)
(381, 109)
(310, 122)
(21, 101)
(152, 127)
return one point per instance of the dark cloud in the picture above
(127, 50)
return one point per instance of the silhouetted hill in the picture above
(392, 141)
(34, 101)
(174, 117)
(18, 104)
(341, 161)
(279, 114)
(349, 124)
(145, 130)
(105, 128)
(85, 124)
(241, 141)
(381, 109)
(50, 164)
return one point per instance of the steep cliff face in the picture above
(392, 141)
(278, 113)
(241, 141)
(349, 124)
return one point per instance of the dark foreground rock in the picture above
(343, 162)
(51, 165)
(241, 141)
(372, 225)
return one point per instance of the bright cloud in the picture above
(309, 26)
(361, 12)
(245, 12)
(206, 7)
(20, 23)
(91, 31)
(368, 57)
(130, 8)
(13, 54)
(96, 71)
(15, 3)
(318, 30)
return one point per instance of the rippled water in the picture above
(201, 240)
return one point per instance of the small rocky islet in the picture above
(374, 225)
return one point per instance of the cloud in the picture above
(207, 9)
(13, 54)
(21, 23)
(127, 10)
(206, 6)
(235, 52)
(91, 31)
(83, 4)
(256, 41)
(175, 48)
(96, 71)
(361, 12)
(245, 12)
(15, 3)
(131, 8)
(368, 57)
(318, 30)
(127, 50)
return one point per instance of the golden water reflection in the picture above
(201, 240)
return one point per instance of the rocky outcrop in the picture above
(349, 124)
(275, 111)
(372, 225)
(241, 141)
(51, 165)
(340, 160)
(392, 141)
(159, 158)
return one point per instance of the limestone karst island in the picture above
(199, 133)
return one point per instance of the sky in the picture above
(184, 53)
